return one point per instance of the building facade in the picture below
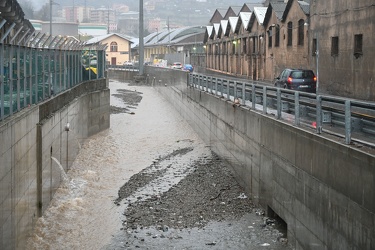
(118, 48)
(104, 16)
(342, 47)
(76, 13)
(333, 39)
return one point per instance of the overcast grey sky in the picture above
(37, 4)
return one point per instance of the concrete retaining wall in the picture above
(28, 175)
(323, 189)
(122, 74)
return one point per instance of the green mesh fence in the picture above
(29, 75)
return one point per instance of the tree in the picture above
(43, 13)
(27, 8)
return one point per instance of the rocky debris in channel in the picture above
(145, 177)
(208, 193)
(130, 98)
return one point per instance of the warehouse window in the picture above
(277, 36)
(335, 46)
(290, 33)
(301, 32)
(358, 45)
(270, 37)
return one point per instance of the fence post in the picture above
(243, 93)
(2, 82)
(296, 109)
(279, 104)
(264, 99)
(319, 114)
(253, 96)
(209, 80)
(235, 90)
(228, 87)
(216, 86)
(222, 88)
(348, 123)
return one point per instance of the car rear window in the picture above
(302, 74)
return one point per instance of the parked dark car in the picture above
(297, 79)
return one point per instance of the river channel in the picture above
(149, 182)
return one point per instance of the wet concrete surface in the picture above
(149, 182)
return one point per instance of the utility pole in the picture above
(141, 45)
(50, 18)
(108, 20)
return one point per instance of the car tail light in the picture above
(290, 80)
(314, 78)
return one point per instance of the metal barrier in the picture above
(124, 67)
(352, 120)
(40, 66)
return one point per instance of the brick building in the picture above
(288, 33)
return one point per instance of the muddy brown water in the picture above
(149, 182)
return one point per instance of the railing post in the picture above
(253, 96)
(209, 79)
(228, 87)
(204, 83)
(243, 93)
(235, 90)
(348, 123)
(319, 114)
(264, 99)
(296, 109)
(279, 104)
(216, 86)
(199, 82)
(222, 88)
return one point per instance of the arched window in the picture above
(290, 33)
(270, 37)
(301, 30)
(277, 36)
(113, 47)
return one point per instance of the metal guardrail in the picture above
(42, 67)
(352, 120)
(124, 67)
